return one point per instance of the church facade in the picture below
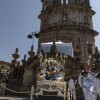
(68, 21)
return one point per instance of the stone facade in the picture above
(68, 21)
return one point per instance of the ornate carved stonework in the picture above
(69, 21)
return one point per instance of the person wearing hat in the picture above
(86, 81)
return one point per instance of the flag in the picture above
(30, 36)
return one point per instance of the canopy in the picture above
(65, 48)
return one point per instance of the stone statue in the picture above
(16, 51)
(32, 48)
(24, 56)
(53, 48)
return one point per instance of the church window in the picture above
(85, 19)
(89, 50)
(88, 2)
(45, 22)
(56, 2)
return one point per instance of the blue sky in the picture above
(18, 18)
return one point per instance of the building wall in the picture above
(70, 22)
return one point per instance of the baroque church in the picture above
(69, 21)
(52, 75)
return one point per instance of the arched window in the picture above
(45, 22)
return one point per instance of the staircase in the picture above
(39, 98)
(12, 98)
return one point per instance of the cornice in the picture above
(70, 28)
(66, 7)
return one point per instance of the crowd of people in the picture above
(88, 80)
(4, 73)
(51, 72)
(3, 81)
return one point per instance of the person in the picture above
(87, 67)
(86, 81)
(53, 48)
(60, 75)
(41, 74)
(80, 81)
(50, 72)
(97, 85)
(71, 87)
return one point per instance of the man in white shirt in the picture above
(71, 87)
(86, 81)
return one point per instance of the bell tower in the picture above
(68, 21)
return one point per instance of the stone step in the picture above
(49, 98)
(12, 98)
(39, 98)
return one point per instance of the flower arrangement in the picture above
(4, 69)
